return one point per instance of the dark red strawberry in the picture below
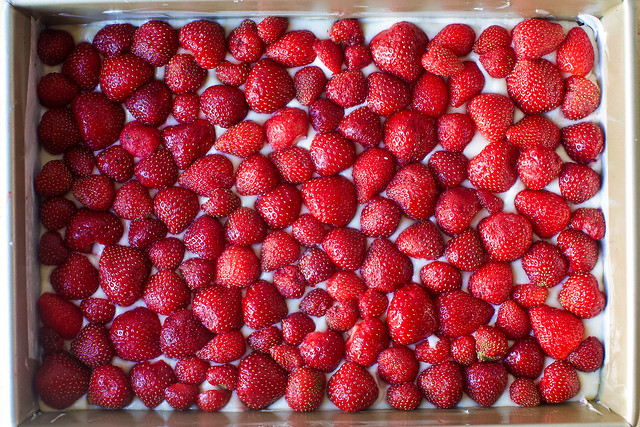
(315, 266)
(325, 115)
(466, 84)
(342, 316)
(588, 220)
(398, 50)
(186, 107)
(54, 46)
(151, 104)
(224, 105)
(532, 132)
(50, 341)
(177, 207)
(308, 230)
(188, 142)
(589, 355)
(295, 328)
(97, 310)
(581, 295)
(559, 382)
(322, 350)
(183, 74)
(485, 382)
(191, 370)
(56, 90)
(463, 350)
(289, 281)
(430, 95)
(166, 292)
(305, 389)
(244, 227)
(114, 39)
(449, 168)
(412, 315)
(183, 335)
(221, 203)
(372, 303)
(62, 316)
(120, 76)
(156, 42)
(352, 388)
(269, 87)
(52, 250)
(88, 227)
(494, 168)
(414, 190)
(368, 338)
(362, 126)
(135, 335)
(421, 240)
(583, 142)
(76, 278)
(465, 251)
(535, 85)
(523, 392)
(244, 43)
(133, 201)
(287, 356)
(576, 55)
(544, 264)
(257, 369)
(309, 84)
(534, 38)
(386, 268)
(100, 120)
(208, 174)
(346, 247)
(82, 66)
(181, 396)
(493, 115)
(53, 180)
(223, 376)
(492, 282)
(462, 314)
(116, 163)
(61, 380)
(380, 217)
(140, 140)
(558, 332)
(123, 273)
(167, 253)
(404, 396)
(331, 153)
(442, 384)
(387, 94)
(440, 277)
(455, 209)
(92, 346)
(205, 39)
(293, 49)
(58, 131)
(347, 31)
(281, 206)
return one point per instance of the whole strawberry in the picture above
(559, 332)
(485, 382)
(305, 389)
(559, 382)
(254, 372)
(399, 49)
(352, 388)
(61, 380)
(412, 315)
(442, 384)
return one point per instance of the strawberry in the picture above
(309, 83)
(257, 369)
(242, 139)
(581, 295)
(448, 168)
(156, 42)
(455, 131)
(58, 131)
(532, 132)
(559, 332)
(491, 344)
(404, 396)
(513, 320)
(576, 55)
(411, 316)
(99, 119)
(548, 212)
(342, 316)
(186, 107)
(525, 358)
(492, 114)
(463, 350)
(269, 87)
(53, 180)
(224, 347)
(352, 388)
(177, 207)
(409, 135)
(263, 305)
(208, 175)
(287, 356)
(581, 98)
(80, 160)
(534, 38)
(398, 365)
(236, 265)
(430, 95)
(330, 54)
(166, 292)
(224, 105)
(583, 142)
(198, 273)
(529, 295)
(356, 57)
(151, 103)
(347, 31)
(398, 50)
(442, 384)
(188, 142)
(140, 140)
(54, 46)
(205, 39)
(491, 38)
(244, 227)
(434, 351)
(114, 39)
(96, 192)
(494, 168)
(413, 189)
(223, 376)
(133, 201)
(280, 207)
(489, 201)
(183, 74)
(380, 217)
(232, 74)
(181, 396)
(362, 126)
(286, 127)
(322, 350)
(191, 370)
(559, 382)
(386, 268)
(167, 253)
(116, 163)
(305, 389)
(221, 203)
(505, 236)
(523, 392)
(421, 240)
(61, 315)
(325, 115)
(143, 232)
(61, 380)
(345, 285)
(499, 62)
(294, 164)
(588, 220)
(544, 265)
(52, 250)
(219, 308)
(440, 277)
(492, 282)
(56, 90)
(331, 200)
(441, 61)
(368, 338)
(56, 213)
(345, 247)
(88, 227)
(75, 278)
(97, 310)
(183, 335)
(50, 341)
(244, 43)
(135, 335)
(455, 209)
(347, 88)
(213, 400)
(465, 251)
(120, 76)
(485, 382)
(315, 266)
(372, 303)
(331, 153)
(123, 273)
(537, 167)
(372, 171)
(387, 94)
(295, 328)
(256, 175)
(466, 84)
(535, 85)
(82, 65)
(109, 387)
(589, 355)
(278, 249)
(293, 49)
(272, 28)
(462, 314)
(578, 183)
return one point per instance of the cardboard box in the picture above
(617, 402)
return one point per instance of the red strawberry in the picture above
(92, 346)
(372, 171)
(385, 268)
(257, 369)
(523, 392)
(342, 316)
(537, 167)
(352, 388)
(492, 282)
(455, 209)
(219, 308)
(409, 135)
(348, 31)
(466, 84)
(491, 38)
(208, 174)
(414, 190)
(430, 95)
(380, 217)
(186, 107)
(53, 180)
(315, 266)
(535, 85)
(116, 163)
(532, 132)
(223, 376)
(558, 332)
(461, 314)
(442, 384)
(181, 396)
(529, 295)
(82, 66)
(100, 120)
(80, 161)
(96, 192)
(133, 201)
(224, 105)
(54, 46)
(441, 61)
(224, 347)
(581, 98)
(398, 365)
(198, 273)
(548, 212)
(576, 55)
(75, 278)
(455, 131)
(305, 389)
(322, 350)
(330, 54)
(176, 207)
(583, 142)
(143, 232)
(123, 273)
(88, 227)
(151, 104)
(156, 42)
(280, 207)
(271, 28)
(293, 49)
(372, 303)
(356, 57)
(120, 76)
(493, 114)
(578, 183)
(237, 266)
(294, 164)
(404, 396)
(499, 62)
(205, 39)
(140, 140)
(242, 139)
(368, 338)
(278, 249)
(287, 356)
(505, 236)
(588, 220)
(581, 295)
(580, 250)
(192, 370)
(559, 382)
(52, 250)
(309, 83)
(331, 153)
(449, 168)
(62, 316)
(589, 355)
(58, 131)
(387, 94)
(244, 43)
(544, 265)
(513, 320)
(295, 328)
(534, 38)
(183, 74)
(269, 87)
(114, 39)
(525, 358)
(440, 277)
(167, 253)
(61, 380)
(56, 90)
(166, 292)
(286, 127)
(244, 227)
(346, 247)
(485, 382)
(491, 343)
(398, 50)
(362, 126)
(412, 315)
(233, 74)
(135, 335)
(221, 203)
(183, 335)
(256, 175)
(188, 142)
(263, 305)
(347, 89)
(325, 115)
(331, 200)
(458, 38)
(421, 240)
(465, 251)
(463, 350)
(345, 285)
(213, 400)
